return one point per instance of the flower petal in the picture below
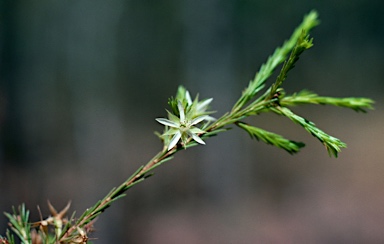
(196, 138)
(171, 131)
(174, 140)
(199, 119)
(202, 106)
(188, 98)
(196, 130)
(181, 111)
(210, 118)
(173, 117)
(167, 122)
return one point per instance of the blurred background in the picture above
(81, 83)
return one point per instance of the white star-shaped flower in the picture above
(182, 128)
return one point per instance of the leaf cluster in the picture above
(275, 100)
(19, 224)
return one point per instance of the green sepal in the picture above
(172, 102)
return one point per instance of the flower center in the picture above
(184, 126)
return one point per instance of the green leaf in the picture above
(332, 144)
(359, 104)
(278, 57)
(19, 221)
(272, 138)
(159, 163)
(303, 43)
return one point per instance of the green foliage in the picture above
(189, 123)
(278, 57)
(303, 43)
(271, 138)
(359, 104)
(19, 224)
(332, 144)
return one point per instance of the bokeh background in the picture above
(83, 80)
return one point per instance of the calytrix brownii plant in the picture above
(189, 123)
